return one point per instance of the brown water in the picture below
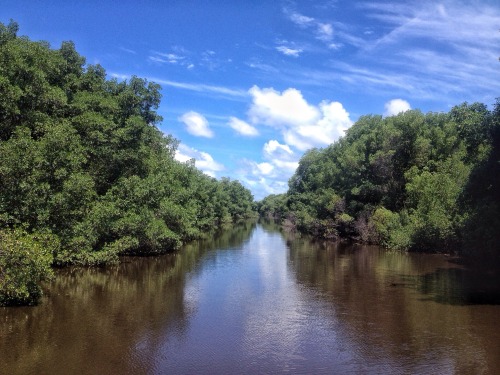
(257, 301)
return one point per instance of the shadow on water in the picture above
(460, 286)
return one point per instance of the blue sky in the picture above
(249, 86)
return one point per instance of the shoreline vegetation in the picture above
(86, 176)
(414, 182)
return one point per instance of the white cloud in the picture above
(277, 109)
(203, 88)
(196, 124)
(156, 59)
(452, 45)
(322, 31)
(444, 51)
(456, 23)
(273, 149)
(395, 106)
(265, 168)
(189, 60)
(168, 58)
(325, 31)
(303, 125)
(270, 176)
(335, 46)
(281, 156)
(131, 51)
(299, 19)
(289, 51)
(262, 186)
(120, 76)
(263, 178)
(326, 130)
(258, 64)
(172, 58)
(203, 160)
(242, 127)
(286, 166)
(226, 92)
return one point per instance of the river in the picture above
(256, 300)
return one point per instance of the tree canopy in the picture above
(413, 181)
(83, 162)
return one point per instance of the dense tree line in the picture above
(415, 181)
(85, 174)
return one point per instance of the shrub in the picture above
(25, 261)
(384, 222)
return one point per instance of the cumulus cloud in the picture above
(395, 106)
(281, 156)
(203, 160)
(255, 171)
(273, 149)
(262, 186)
(261, 178)
(265, 168)
(273, 108)
(303, 125)
(270, 176)
(196, 124)
(332, 124)
(242, 127)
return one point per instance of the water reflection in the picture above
(90, 316)
(257, 299)
(107, 321)
(461, 286)
(399, 308)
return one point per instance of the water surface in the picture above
(256, 300)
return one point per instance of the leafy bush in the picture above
(384, 222)
(25, 261)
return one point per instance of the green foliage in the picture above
(481, 195)
(384, 223)
(435, 217)
(413, 181)
(81, 157)
(273, 206)
(25, 261)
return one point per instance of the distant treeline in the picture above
(420, 182)
(85, 174)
